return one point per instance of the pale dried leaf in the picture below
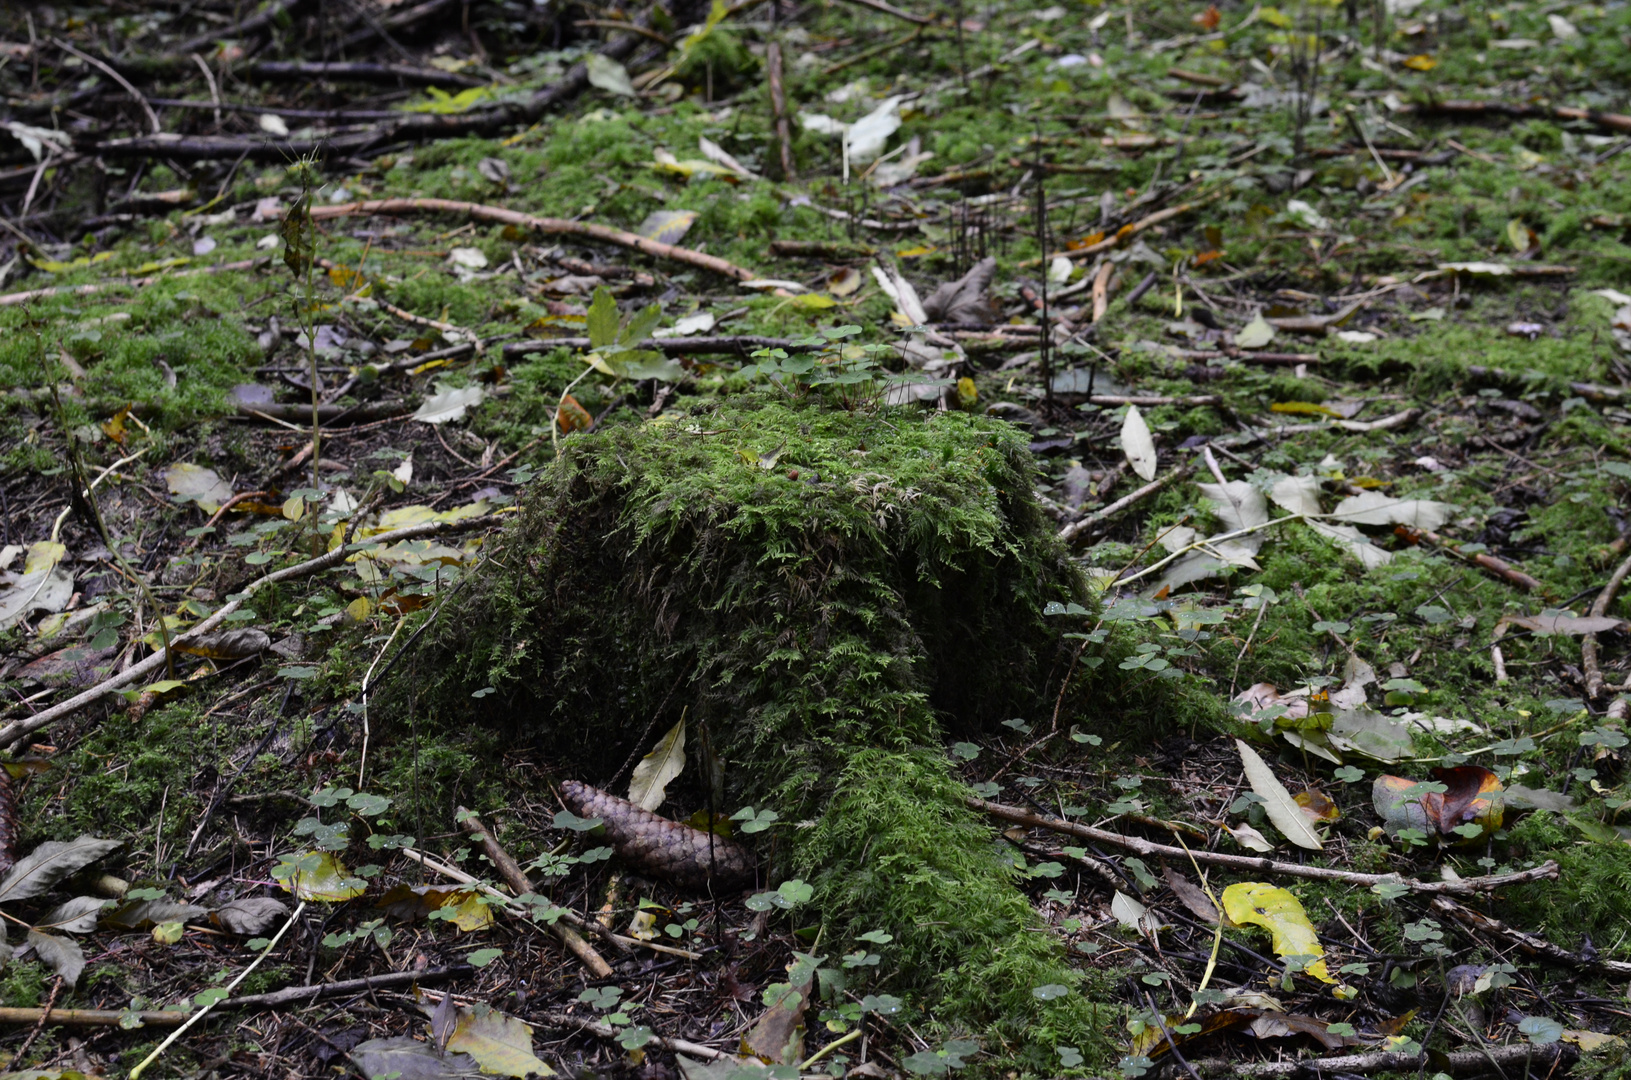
(250, 915)
(607, 74)
(194, 483)
(403, 1058)
(1137, 444)
(447, 405)
(649, 785)
(1281, 808)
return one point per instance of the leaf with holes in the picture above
(1253, 903)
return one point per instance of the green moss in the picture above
(833, 595)
(22, 984)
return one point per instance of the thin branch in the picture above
(152, 117)
(135, 1074)
(18, 730)
(1459, 887)
(1071, 532)
(1596, 685)
(548, 226)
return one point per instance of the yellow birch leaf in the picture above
(1253, 903)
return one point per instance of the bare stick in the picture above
(778, 108)
(1462, 1063)
(517, 879)
(1596, 687)
(1071, 532)
(551, 226)
(1529, 943)
(1127, 232)
(1499, 567)
(135, 1074)
(152, 117)
(18, 730)
(606, 1031)
(1458, 887)
(1101, 289)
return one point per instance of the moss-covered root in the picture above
(897, 849)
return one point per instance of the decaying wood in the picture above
(1519, 111)
(1540, 1060)
(821, 249)
(691, 858)
(1458, 887)
(517, 879)
(546, 225)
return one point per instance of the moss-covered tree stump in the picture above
(834, 596)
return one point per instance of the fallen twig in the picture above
(1458, 887)
(410, 127)
(548, 226)
(1528, 943)
(1611, 121)
(1541, 1061)
(1127, 232)
(328, 414)
(199, 1014)
(1248, 356)
(1596, 685)
(18, 730)
(1589, 391)
(516, 878)
(308, 71)
(1207, 542)
(606, 1031)
(1499, 567)
(1072, 531)
(738, 345)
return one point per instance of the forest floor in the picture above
(1350, 284)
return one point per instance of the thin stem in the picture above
(135, 1074)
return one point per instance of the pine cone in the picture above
(690, 858)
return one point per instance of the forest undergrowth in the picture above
(1117, 510)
